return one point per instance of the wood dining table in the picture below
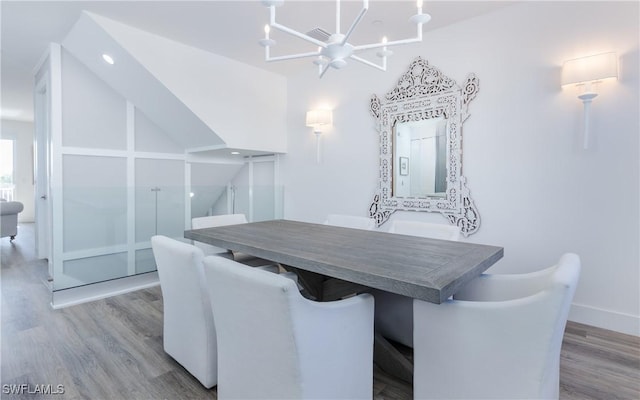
(334, 262)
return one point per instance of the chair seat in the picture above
(252, 261)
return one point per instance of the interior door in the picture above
(41, 171)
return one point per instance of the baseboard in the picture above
(101, 290)
(606, 319)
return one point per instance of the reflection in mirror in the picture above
(420, 158)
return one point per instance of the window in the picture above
(6, 169)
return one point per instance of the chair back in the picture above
(253, 313)
(275, 344)
(563, 285)
(189, 333)
(350, 221)
(501, 345)
(503, 287)
(213, 221)
(218, 220)
(426, 229)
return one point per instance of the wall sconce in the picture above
(588, 72)
(317, 119)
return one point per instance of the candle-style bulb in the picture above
(267, 41)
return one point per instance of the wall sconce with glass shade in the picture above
(587, 73)
(318, 120)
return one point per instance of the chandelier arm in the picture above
(353, 26)
(274, 24)
(298, 34)
(334, 52)
(392, 43)
(323, 71)
(292, 56)
(338, 16)
(369, 63)
(365, 8)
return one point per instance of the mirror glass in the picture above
(420, 158)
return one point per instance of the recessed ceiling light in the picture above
(108, 59)
(235, 153)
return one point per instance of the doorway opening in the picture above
(7, 183)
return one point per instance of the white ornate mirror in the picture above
(420, 127)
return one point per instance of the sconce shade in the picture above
(318, 118)
(590, 69)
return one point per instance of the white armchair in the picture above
(9, 211)
(189, 333)
(350, 221)
(275, 344)
(394, 313)
(500, 337)
(225, 220)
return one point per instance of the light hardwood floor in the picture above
(112, 348)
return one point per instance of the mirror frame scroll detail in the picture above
(424, 92)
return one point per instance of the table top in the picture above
(426, 269)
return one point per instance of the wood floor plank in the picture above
(112, 348)
(599, 364)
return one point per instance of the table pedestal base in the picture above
(390, 360)
(322, 288)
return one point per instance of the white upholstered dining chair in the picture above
(394, 312)
(350, 221)
(275, 344)
(213, 221)
(500, 337)
(189, 334)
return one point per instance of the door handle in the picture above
(43, 197)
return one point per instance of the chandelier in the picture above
(336, 49)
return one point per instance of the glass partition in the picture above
(116, 178)
(251, 189)
(237, 199)
(159, 198)
(104, 241)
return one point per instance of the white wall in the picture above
(22, 133)
(220, 91)
(538, 192)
